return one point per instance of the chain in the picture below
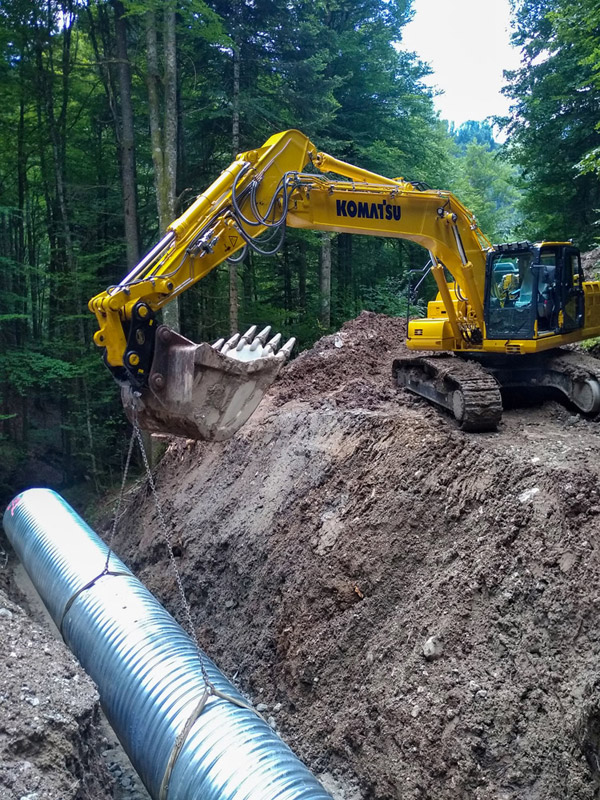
(120, 501)
(169, 542)
(210, 689)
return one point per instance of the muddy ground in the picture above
(416, 608)
(50, 719)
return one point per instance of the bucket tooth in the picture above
(287, 348)
(264, 335)
(273, 344)
(231, 343)
(246, 338)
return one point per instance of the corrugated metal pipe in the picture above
(183, 744)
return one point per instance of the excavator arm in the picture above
(200, 391)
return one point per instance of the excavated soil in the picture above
(414, 607)
(50, 722)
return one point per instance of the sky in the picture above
(466, 43)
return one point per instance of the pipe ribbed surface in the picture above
(147, 669)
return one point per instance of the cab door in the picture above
(570, 290)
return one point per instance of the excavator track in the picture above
(575, 375)
(464, 388)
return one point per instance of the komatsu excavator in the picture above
(500, 315)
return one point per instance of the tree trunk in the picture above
(106, 62)
(153, 82)
(302, 274)
(235, 146)
(288, 303)
(346, 296)
(128, 172)
(19, 288)
(235, 105)
(325, 310)
(163, 138)
(233, 299)
(64, 255)
(170, 126)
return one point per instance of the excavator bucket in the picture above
(204, 391)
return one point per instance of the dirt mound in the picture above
(415, 607)
(350, 368)
(591, 263)
(54, 739)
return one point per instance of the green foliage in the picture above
(554, 124)
(391, 297)
(24, 371)
(490, 187)
(590, 163)
(474, 132)
(591, 344)
(332, 68)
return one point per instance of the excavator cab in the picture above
(533, 290)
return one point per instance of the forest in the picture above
(115, 115)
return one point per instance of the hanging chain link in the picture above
(169, 542)
(210, 688)
(120, 500)
(136, 435)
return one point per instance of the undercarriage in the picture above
(472, 388)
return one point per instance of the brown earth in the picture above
(591, 263)
(349, 527)
(415, 607)
(49, 726)
(55, 742)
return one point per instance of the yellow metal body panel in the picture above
(424, 334)
(399, 212)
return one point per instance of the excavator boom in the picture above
(168, 383)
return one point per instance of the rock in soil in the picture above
(49, 740)
(54, 739)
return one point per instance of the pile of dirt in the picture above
(414, 607)
(54, 739)
(591, 263)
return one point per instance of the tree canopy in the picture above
(554, 126)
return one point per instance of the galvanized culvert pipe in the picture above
(147, 669)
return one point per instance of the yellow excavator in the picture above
(500, 315)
